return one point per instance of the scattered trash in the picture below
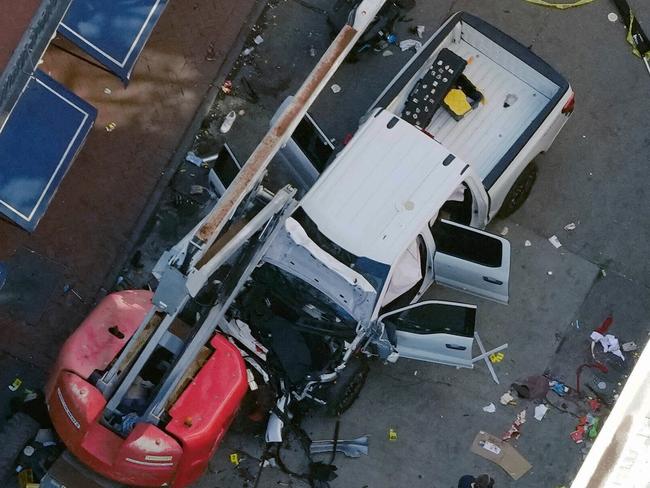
(510, 100)
(248, 51)
(227, 87)
(540, 411)
(196, 189)
(68, 288)
(415, 373)
(550, 273)
(514, 432)
(108, 91)
(612, 17)
(603, 272)
(491, 408)
(227, 122)
(577, 324)
(392, 434)
(497, 357)
(501, 453)
(602, 385)
(258, 40)
(527, 243)
(110, 127)
(350, 448)
(504, 231)
(269, 463)
(587, 425)
(234, 458)
(335, 88)
(15, 384)
(312, 51)
(191, 157)
(559, 388)
(555, 241)
(629, 346)
(210, 54)
(420, 31)
(571, 226)
(508, 399)
(609, 342)
(407, 44)
(387, 53)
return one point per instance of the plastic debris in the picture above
(570, 227)
(612, 17)
(602, 385)
(191, 157)
(407, 44)
(550, 273)
(540, 411)
(609, 343)
(392, 434)
(629, 346)
(559, 388)
(110, 127)
(258, 40)
(108, 91)
(227, 122)
(335, 88)
(508, 399)
(234, 458)
(514, 431)
(248, 51)
(387, 53)
(420, 31)
(527, 243)
(555, 241)
(497, 357)
(15, 384)
(587, 425)
(312, 51)
(491, 408)
(504, 231)
(227, 87)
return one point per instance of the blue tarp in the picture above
(112, 31)
(38, 141)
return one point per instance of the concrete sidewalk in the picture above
(87, 230)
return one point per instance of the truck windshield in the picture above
(375, 272)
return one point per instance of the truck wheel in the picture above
(15, 434)
(519, 191)
(344, 391)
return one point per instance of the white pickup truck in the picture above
(525, 103)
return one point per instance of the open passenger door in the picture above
(471, 260)
(434, 331)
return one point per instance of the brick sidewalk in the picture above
(89, 224)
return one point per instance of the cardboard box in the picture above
(502, 453)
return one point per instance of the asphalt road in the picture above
(593, 176)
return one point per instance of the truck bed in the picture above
(491, 135)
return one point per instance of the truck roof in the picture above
(383, 188)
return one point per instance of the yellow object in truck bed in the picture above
(456, 102)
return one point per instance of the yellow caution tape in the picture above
(561, 6)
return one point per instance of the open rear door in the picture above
(471, 260)
(434, 331)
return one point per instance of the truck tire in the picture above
(519, 191)
(344, 391)
(15, 434)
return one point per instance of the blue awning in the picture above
(38, 141)
(113, 32)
